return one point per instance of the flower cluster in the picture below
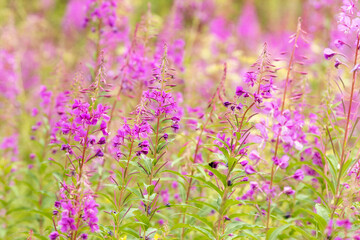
(105, 11)
(9, 84)
(130, 133)
(80, 118)
(75, 210)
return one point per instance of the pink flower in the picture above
(219, 27)
(328, 53)
(249, 169)
(289, 191)
(298, 175)
(345, 223)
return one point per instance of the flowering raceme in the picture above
(80, 119)
(68, 210)
(9, 85)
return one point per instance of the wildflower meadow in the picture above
(179, 119)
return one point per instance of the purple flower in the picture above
(8, 75)
(174, 184)
(10, 142)
(84, 236)
(175, 127)
(254, 156)
(254, 185)
(239, 91)
(92, 140)
(80, 117)
(34, 112)
(239, 106)
(244, 163)
(284, 161)
(144, 144)
(90, 214)
(276, 160)
(65, 147)
(328, 53)
(339, 44)
(249, 169)
(248, 27)
(67, 224)
(45, 96)
(99, 153)
(289, 191)
(298, 175)
(226, 104)
(144, 150)
(103, 127)
(349, 6)
(165, 136)
(175, 119)
(329, 228)
(159, 102)
(57, 204)
(337, 63)
(317, 159)
(54, 235)
(245, 179)
(257, 98)
(219, 27)
(250, 78)
(101, 141)
(198, 158)
(345, 223)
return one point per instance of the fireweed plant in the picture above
(184, 119)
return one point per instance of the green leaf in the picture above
(45, 214)
(234, 226)
(349, 163)
(316, 192)
(142, 218)
(333, 163)
(323, 212)
(321, 222)
(224, 151)
(131, 232)
(231, 202)
(273, 233)
(206, 232)
(203, 203)
(303, 232)
(107, 198)
(201, 219)
(331, 184)
(209, 184)
(220, 176)
(150, 189)
(176, 173)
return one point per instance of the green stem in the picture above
(282, 110)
